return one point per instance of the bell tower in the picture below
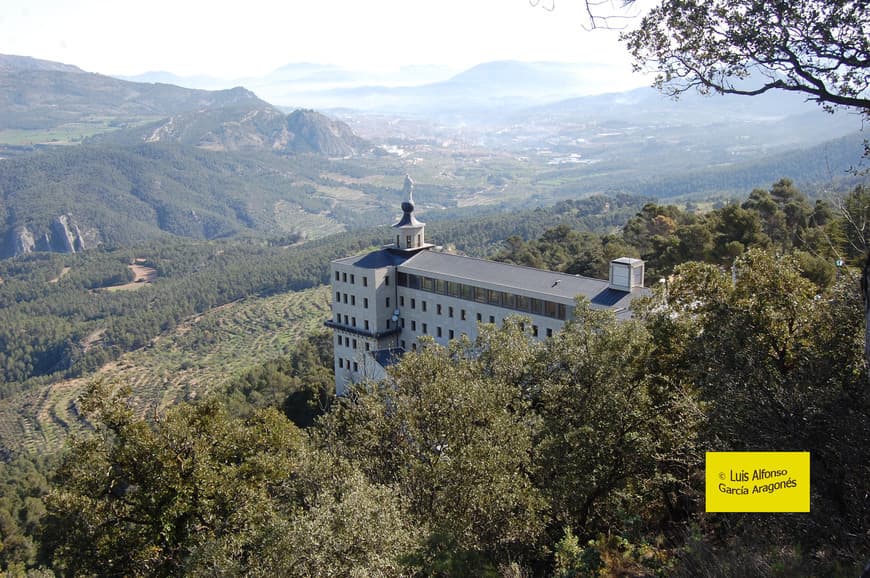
(410, 233)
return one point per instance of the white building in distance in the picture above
(386, 300)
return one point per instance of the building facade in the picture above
(386, 300)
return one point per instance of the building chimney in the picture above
(626, 274)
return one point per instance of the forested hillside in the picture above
(581, 455)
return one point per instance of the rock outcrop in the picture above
(63, 236)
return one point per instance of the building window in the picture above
(408, 241)
(549, 332)
(428, 284)
(425, 329)
(353, 321)
(366, 303)
(338, 317)
(389, 322)
(338, 297)
(413, 303)
(438, 332)
(480, 295)
(462, 315)
(479, 317)
(353, 300)
(467, 292)
(413, 347)
(492, 318)
(354, 343)
(365, 281)
(509, 300)
(344, 277)
(387, 280)
(455, 289)
(450, 312)
(337, 276)
(413, 325)
(403, 344)
(522, 303)
(423, 305)
(438, 309)
(347, 341)
(387, 302)
(493, 297)
(450, 334)
(419, 240)
(534, 330)
(352, 277)
(345, 297)
(355, 366)
(345, 319)
(401, 300)
(403, 322)
(368, 346)
(366, 322)
(341, 363)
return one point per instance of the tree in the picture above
(818, 48)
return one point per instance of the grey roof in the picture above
(560, 286)
(388, 257)
(387, 357)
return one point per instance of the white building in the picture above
(384, 301)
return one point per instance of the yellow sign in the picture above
(758, 482)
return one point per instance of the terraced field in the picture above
(198, 356)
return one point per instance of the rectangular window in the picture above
(549, 309)
(561, 311)
(347, 341)
(387, 280)
(354, 343)
(438, 309)
(509, 300)
(352, 277)
(401, 300)
(413, 325)
(480, 294)
(549, 332)
(455, 289)
(366, 303)
(428, 284)
(450, 334)
(403, 322)
(366, 324)
(493, 297)
(353, 321)
(337, 276)
(479, 317)
(522, 303)
(365, 281)
(413, 281)
(338, 317)
(449, 312)
(402, 279)
(403, 344)
(368, 346)
(441, 286)
(338, 297)
(438, 332)
(462, 314)
(408, 241)
(344, 277)
(537, 306)
(413, 347)
(355, 366)
(341, 362)
(492, 318)
(413, 303)
(467, 292)
(425, 329)
(353, 299)
(534, 330)
(387, 302)
(423, 305)
(388, 323)
(345, 320)
(344, 297)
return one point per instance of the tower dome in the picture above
(411, 235)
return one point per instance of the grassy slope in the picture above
(198, 356)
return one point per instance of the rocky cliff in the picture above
(62, 235)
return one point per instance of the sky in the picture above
(254, 37)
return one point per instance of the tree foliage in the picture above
(817, 48)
